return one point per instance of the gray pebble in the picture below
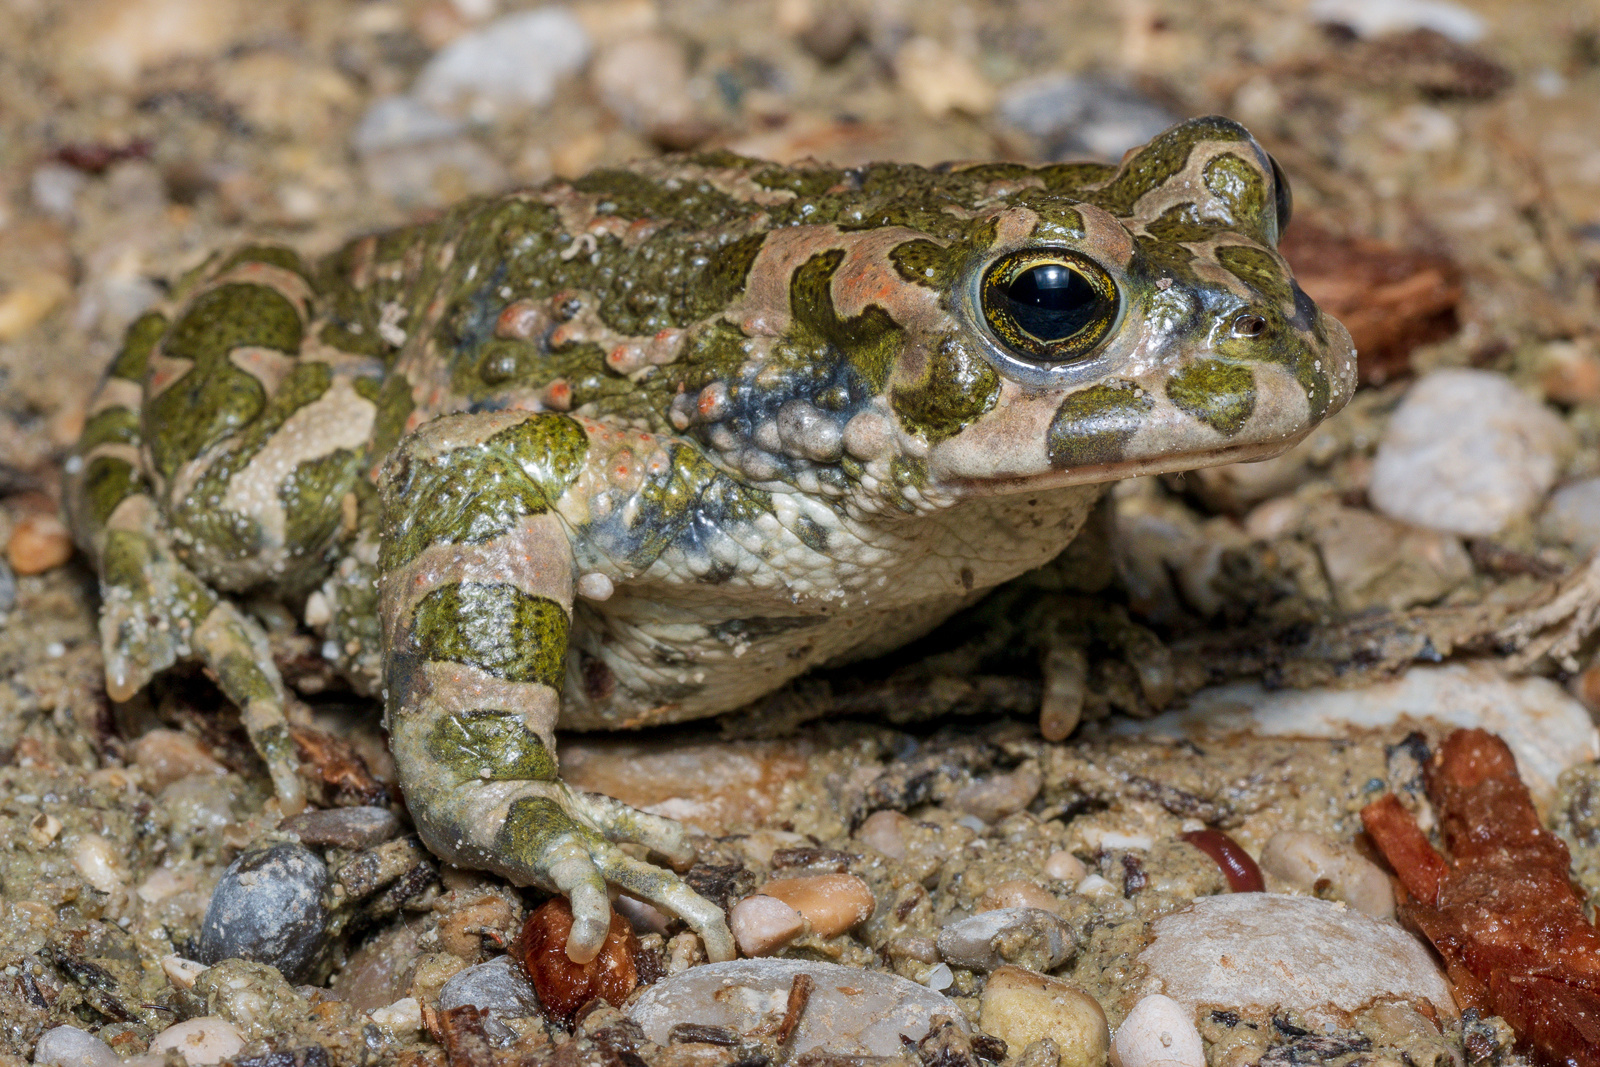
(1075, 115)
(1028, 937)
(8, 587)
(394, 121)
(498, 987)
(68, 1046)
(343, 827)
(268, 908)
(513, 62)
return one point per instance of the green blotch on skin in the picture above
(492, 746)
(1058, 220)
(1072, 179)
(310, 496)
(113, 426)
(1261, 271)
(214, 398)
(871, 341)
(1180, 222)
(1154, 258)
(958, 387)
(241, 677)
(137, 344)
(128, 562)
(1092, 426)
(532, 826)
(394, 404)
(272, 255)
(924, 262)
(811, 533)
(1221, 395)
(496, 628)
(1243, 188)
(725, 277)
(1159, 161)
(107, 482)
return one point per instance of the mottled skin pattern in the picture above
(643, 446)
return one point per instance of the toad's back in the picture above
(645, 445)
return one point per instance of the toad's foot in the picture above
(476, 602)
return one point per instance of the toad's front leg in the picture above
(476, 601)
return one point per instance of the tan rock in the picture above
(1018, 893)
(39, 542)
(117, 39)
(205, 1040)
(1158, 1032)
(165, 756)
(1021, 1006)
(941, 80)
(1320, 866)
(1063, 866)
(831, 903)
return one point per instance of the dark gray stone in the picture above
(343, 827)
(268, 908)
(498, 987)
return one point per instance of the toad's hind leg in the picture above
(476, 602)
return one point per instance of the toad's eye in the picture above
(1049, 305)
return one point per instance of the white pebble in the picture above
(1373, 18)
(205, 1040)
(513, 62)
(1158, 1032)
(885, 831)
(181, 972)
(940, 978)
(96, 861)
(761, 925)
(1573, 515)
(644, 81)
(1063, 866)
(1468, 453)
(68, 1046)
(403, 1016)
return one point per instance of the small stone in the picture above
(1572, 515)
(940, 80)
(995, 797)
(1375, 562)
(1029, 937)
(831, 903)
(204, 1040)
(885, 832)
(761, 925)
(44, 828)
(39, 542)
(1467, 452)
(1018, 893)
(851, 1011)
(377, 972)
(1158, 1032)
(1375, 18)
(1021, 1006)
(268, 908)
(1569, 372)
(117, 39)
(96, 860)
(1073, 115)
(54, 188)
(396, 121)
(403, 1016)
(181, 972)
(1294, 953)
(68, 1046)
(360, 827)
(1320, 866)
(498, 987)
(511, 63)
(8, 587)
(168, 756)
(1063, 866)
(644, 81)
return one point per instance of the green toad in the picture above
(641, 447)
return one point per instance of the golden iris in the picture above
(1049, 305)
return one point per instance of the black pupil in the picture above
(1052, 302)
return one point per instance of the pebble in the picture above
(1029, 937)
(1018, 893)
(831, 903)
(1467, 452)
(1063, 866)
(1375, 562)
(96, 860)
(68, 1046)
(644, 81)
(1020, 1007)
(117, 39)
(1158, 1032)
(851, 1012)
(44, 828)
(1374, 18)
(378, 972)
(941, 80)
(761, 925)
(54, 188)
(8, 587)
(498, 987)
(181, 972)
(360, 827)
(396, 121)
(997, 796)
(1291, 953)
(1572, 515)
(1074, 115)
(167, 756)
(39, 541)
(885, 832)
(1545, 726)
(403, 1016)
(511, 63)
(205, 1040)
(1329, 869)
(1569, 372)
(564, 986)
(268, 908)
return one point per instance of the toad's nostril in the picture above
(1248, 325)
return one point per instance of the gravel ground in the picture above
(1447, 180)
